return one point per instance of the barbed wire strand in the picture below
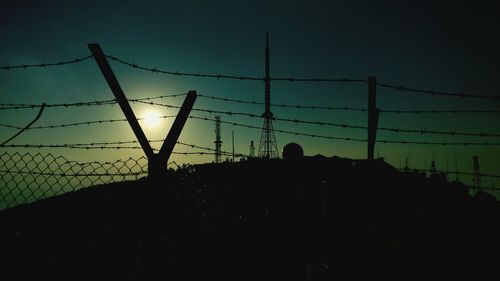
(395, 130)
(103, 147)
(435, 111)
(353, 139)
(346, 126)
(84, 123)
(319, 107)
(176, 73)
(296, 121)
(95, 122)
(119, 145)
(341, 80)
(436, 93)
(6, 106)
(486, 143)
(212, 149)
(283, 105)
(294, 79)
(10, 126)
(43, 65)
(349, 139)
(225, 76)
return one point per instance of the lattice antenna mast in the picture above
(268, 147)
(218, 142)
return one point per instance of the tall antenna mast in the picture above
(268, 147)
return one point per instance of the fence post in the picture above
(372, 115)
(106, 70)
(156, 162)
(175, 131)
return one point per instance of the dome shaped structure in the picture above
(292, 151)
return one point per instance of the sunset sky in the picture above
(449, 46)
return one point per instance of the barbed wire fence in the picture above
(26, 177)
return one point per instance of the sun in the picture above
(151, 118)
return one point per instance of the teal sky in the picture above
(439, 45)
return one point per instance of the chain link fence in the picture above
(27, 177)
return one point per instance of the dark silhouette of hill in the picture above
(314, 218)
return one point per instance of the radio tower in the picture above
(217, 141)
(268, 147)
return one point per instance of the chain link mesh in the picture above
(27, 177)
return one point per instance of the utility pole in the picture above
(373, 113)
(233, 144)
(218, 142)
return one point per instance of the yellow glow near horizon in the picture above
(151, 119)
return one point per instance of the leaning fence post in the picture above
(160, 160)
(157, 163)
(373, 113)
(106, 70)
(175, 131)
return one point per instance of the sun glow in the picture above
(151, 119)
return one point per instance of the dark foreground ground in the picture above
(314, 219)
